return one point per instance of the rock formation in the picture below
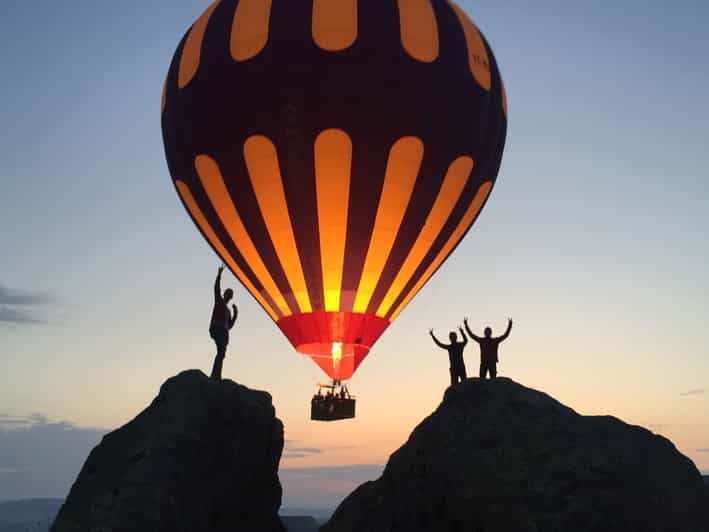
(496, 456)
(202, 457)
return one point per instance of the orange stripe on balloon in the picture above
(249, 29)
(504, 97)
(448, 195)
(334, 24)
(213, 183)
(333, 160)
(477, 54)
(468, 218)
(199, 217)
(402, 169)
(189, 60)
(162, 97)
(419, 32)
(265, 174)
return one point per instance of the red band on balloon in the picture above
(336, 341)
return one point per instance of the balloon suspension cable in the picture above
(336, 388)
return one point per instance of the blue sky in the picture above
(594, 239)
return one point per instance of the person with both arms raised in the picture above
(455, 354)
(488, 348)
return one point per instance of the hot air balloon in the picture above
(333, 153)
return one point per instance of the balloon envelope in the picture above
(333, 153)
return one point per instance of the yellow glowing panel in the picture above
(196, 213)
(333, 160)
(453, 183)
(334, 23)
(419, 32)
(265, 174)
(399, 180)
(213, 183)
(468, 217)
(477, 54)
(249, 30)
(336, 354)
(189, 60)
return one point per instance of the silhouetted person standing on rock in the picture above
(488, 348)
(455, 354)
(222, 322)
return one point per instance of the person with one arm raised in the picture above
(455, 354)
(488, 348)
(221, 324)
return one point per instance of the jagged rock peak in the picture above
(202, 457)
(496, 456)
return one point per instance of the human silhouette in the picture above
(221, 324)
(488, 348)
(455, 354)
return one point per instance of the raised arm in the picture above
(439, 344)
(470, 333)
(507, 332)
(465, 338)
(218, 285)
(234, 314)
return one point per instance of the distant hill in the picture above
(300, 523)
(36, 515)
(28, 515)
(320, 513)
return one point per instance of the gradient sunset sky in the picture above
(595, 241)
